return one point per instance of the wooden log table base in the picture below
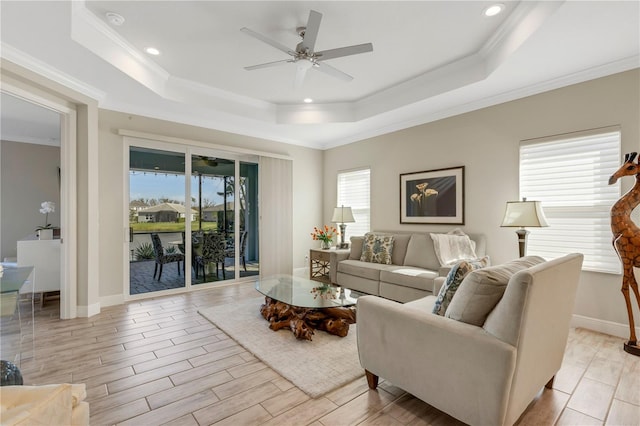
(304, 321)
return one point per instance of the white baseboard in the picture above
(88, 311)
(116, 299)
(602, 326)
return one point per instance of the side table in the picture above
(319, 265)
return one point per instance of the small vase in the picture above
(325, 245)
(45, 234)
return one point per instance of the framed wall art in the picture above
(433, 196)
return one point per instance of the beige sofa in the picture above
(482, 375)
(415, 271)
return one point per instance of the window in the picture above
(570, 176)
(353, 191)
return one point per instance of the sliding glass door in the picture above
(157, 217)
(190, 232)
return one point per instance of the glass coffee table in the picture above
(303, 306)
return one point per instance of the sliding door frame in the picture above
(188, 151)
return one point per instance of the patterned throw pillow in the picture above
(377, 248)
(453, 281)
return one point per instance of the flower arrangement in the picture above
(325, 291)
(46, 208)
(325, 234)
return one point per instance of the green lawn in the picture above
(142, 228)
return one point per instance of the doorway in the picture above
(189, 232)
(51, 125)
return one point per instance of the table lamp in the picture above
(342, 215)
(523, 213)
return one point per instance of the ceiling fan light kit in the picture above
(304, 55)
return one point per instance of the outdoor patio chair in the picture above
(161, 257)
(213, 250)
(231, 251)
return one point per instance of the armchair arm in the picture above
(336, 256)
(456, 367)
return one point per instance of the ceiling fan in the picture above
(203, 160)
(304, 56)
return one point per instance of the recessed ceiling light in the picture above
(114, 19)
(494, 9)
(308, 100)
(152, 51)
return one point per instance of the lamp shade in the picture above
(342, 215)
(524, 213)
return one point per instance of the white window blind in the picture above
(353, 191)
(570, 177)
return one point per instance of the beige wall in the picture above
(307, 186)
(29, 176)
(486, 143)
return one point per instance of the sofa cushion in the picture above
(425, 304)
(400, 243)
(377, 248)
(359, 284)
(409, 276)
(366, 270)
(453, 281)
(482, 289)
(420, 253)
(356, 248)
(451, 248)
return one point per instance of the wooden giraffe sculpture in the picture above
(626, 240)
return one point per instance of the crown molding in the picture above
(29, 139)
(37, 66)
(417, 117)
(95, 35)
(525, 20)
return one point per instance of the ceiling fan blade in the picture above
(301, 71)
(268, 64)
(311, 32)
(267, 40)
(328, 69)
(344, 51)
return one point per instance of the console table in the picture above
(44, 255)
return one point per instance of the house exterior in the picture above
(165, 212)
(210, 214)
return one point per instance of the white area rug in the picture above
(316, 367)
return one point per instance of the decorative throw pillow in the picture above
(451, 248)
(481, 290)
(453, 281)
(377, 248)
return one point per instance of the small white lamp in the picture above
(523, 213)
(342, 215)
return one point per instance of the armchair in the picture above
(213, 248)
(162, 257)
(478, 374)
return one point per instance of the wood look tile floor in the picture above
(157, 361)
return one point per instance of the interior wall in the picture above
(307, 187)
(29, 176)
(486, 142)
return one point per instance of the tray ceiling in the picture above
(430, 60)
